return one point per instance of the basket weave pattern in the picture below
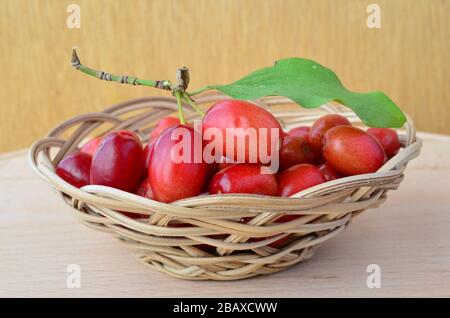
(324, 210)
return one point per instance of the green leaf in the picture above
(311, 85)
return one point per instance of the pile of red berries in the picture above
(331, 148)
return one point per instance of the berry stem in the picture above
(192, 103)
(178, 94)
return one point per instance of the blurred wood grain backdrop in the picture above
(220, 40)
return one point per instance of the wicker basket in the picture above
(325, 210)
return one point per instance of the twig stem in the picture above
(178, 90)
(124, 79)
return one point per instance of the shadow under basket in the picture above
(213, 243)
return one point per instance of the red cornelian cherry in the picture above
(145, 189)
(225, 163)
(148, 151)
(118, 161)
(243, 178)
(298, 178)
(237, 114)
(91, 146)
(162, 125)
(212, 169)
(388, 139)
(172, 178)
(351, 151)
(301, 131)
(328, 172)
(321, 126)
(295, 150)
(131, 134)
(75, 169)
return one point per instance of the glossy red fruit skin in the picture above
(148, 151)
(243, 178)
(321, 126)
(328, 172)
(298, 178)
(162, 125)
(212, 169)
(301, 131)
(351, 151)
(388, 139)
(242, 114)
(118, 161)
(224, 164)
(91, 146)
(145, 189)
(129, 133)
(173, 181)
(75, 169)
(295, 150)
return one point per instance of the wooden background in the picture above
(220, 40)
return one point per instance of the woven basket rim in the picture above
(322, 211)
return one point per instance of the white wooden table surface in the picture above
(408, 237)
